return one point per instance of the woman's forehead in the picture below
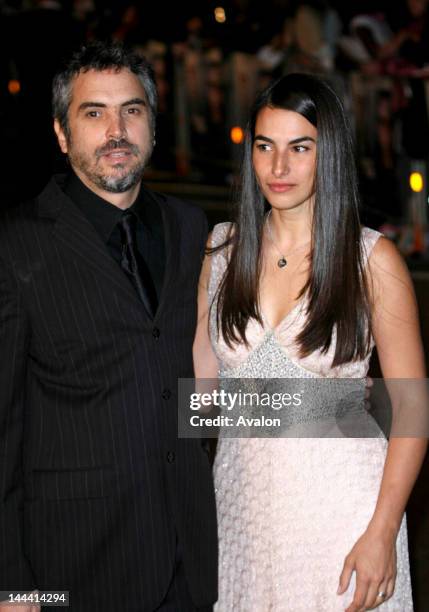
(283, 124)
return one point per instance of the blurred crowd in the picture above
(209, 61)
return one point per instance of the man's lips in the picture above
(117, 153)
(117, 150)
(280, 187)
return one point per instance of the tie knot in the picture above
(128, 224)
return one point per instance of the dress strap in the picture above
(219, 259)
(369, 238)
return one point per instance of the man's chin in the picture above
(120, 184)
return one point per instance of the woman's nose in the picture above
(280, 164)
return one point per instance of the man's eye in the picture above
(93, 113)
(133, 111)
(300, 148)
(263, 147)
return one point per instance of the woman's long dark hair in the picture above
(337, 289)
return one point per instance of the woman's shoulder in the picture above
(379, 249)
(387, 266)
(369, 238)
(219, 234)
(216, 258)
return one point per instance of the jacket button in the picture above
(166, 394)
(171, 457)
(156, 333)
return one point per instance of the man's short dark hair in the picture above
(100, 56)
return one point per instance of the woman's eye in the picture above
(263, 147)
(300, 148)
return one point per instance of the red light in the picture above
(14, 87)
(237, 135)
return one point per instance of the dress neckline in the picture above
(273, 328)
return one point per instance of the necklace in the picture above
(282, 262)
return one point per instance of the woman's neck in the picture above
(289, 228)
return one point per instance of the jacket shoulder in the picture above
(13, 220)
(21, 229)
(20, 212)
(183, 208)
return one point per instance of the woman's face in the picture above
(284, 158)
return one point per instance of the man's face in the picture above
(110, 137)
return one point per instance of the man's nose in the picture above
(116, 127)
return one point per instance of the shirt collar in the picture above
(104, 216)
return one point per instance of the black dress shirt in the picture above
(105, 216)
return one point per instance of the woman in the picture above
(295, 288)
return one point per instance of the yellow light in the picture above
(219, 14)
(237, 135)
(14, 87)
(416, 182)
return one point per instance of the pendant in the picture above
(282, 262)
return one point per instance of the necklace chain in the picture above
(282, 262)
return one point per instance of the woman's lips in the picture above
(280, 187)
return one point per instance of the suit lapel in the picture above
(172, 242)
(78, 237)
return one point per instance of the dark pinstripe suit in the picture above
(95, 485)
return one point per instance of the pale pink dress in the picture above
(289, 510)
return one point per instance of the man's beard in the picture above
(113, 183)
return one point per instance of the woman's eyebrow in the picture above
(293, 142)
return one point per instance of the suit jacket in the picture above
(95, 486)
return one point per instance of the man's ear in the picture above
(62, 140)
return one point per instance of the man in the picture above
(98, 282)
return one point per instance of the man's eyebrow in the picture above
(291, 142)
(90, 104)
(133, 101)
(85, 105)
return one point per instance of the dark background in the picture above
(386, 98)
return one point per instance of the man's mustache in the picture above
(116, 144)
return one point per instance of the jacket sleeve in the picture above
(203, 235)
(15, 572)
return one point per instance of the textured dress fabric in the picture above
(291, 509)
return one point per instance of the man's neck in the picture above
(121, 200)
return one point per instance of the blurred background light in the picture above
(416, 182)
(237, 135)
(14, 87)
(219, 14)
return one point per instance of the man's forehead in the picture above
(110, 84)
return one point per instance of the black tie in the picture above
(133, 264)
